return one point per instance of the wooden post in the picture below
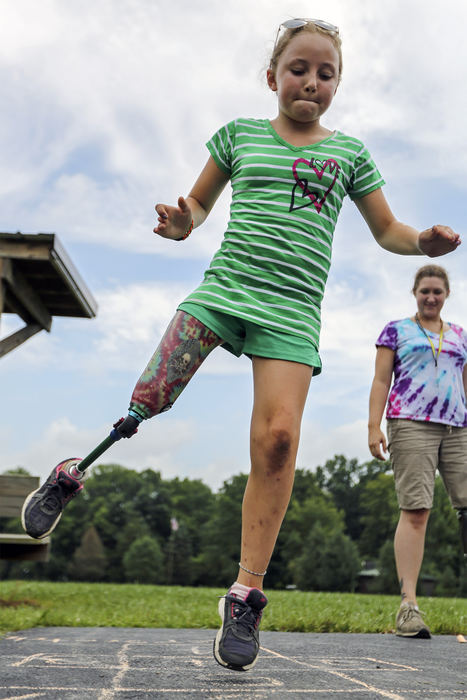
(2, 291)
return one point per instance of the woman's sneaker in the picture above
(43, 508)
(236, 645)
(409, 622)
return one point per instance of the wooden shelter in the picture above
(18, 546)
(39, 281)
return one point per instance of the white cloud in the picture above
(152, 447)
(321, 442)
(140, 86)
(106, 108)
(130, 323)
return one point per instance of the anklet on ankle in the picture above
(253, 573)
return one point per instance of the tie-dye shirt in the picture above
(422, 391)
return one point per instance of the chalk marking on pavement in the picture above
(402, 667)
(27, 659)
(24, 697)
(339, 674)
(195, 650)
(123, 666)
(352, 663)
(208, 691)
(61, 662)
(258, 685)
(48, 688)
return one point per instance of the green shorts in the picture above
(417, 449)
(242, 337)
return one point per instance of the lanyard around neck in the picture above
(440, 344)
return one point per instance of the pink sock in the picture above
(239, 590)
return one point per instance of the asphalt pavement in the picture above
(63, 663)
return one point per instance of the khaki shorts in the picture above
(242, 337)
(417, 449)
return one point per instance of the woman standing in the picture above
(426, 425)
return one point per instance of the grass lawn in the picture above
(25, 604)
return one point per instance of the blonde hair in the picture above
(431, 271)
(289, 34)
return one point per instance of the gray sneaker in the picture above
(43, 508)
(236, 645)
(409, 622)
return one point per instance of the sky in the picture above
(106, 109)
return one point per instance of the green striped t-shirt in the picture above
(273, 263)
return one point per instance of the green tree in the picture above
(442, 542)
(379, 514)
(329, 562)
(308, 504)
(191, 504)
(144, 561)
(20, 471)
(345, 479)
(180, 566)
(217, 562)
(316, 511)
(89, 560)
(447, 584)
(123, 510)
(387, 581)
(134, 529)
(306, 485)
(153, 502)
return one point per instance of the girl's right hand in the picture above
(377, 443)
(173, 222)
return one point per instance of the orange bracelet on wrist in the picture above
(190, 229)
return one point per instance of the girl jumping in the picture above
(262, 293)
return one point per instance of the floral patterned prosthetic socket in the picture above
(185, 345)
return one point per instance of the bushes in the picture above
(143, 562)
(137, 527)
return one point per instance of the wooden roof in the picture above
(43, 263)
(39, 281)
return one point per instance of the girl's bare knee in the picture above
(275, 446)
(279, 450)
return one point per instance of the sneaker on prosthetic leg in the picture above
(43, 507)
(236, 645)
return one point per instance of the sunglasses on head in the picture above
(302, 22)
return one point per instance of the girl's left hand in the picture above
(438, 240)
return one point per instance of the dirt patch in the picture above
(17, 603)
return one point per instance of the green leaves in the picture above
(121, 529)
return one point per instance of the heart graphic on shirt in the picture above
(302, 195)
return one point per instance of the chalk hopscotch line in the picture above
(214, 691)
(122, 662)
(338, 674)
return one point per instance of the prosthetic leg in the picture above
(185, 345)
(462, 515)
